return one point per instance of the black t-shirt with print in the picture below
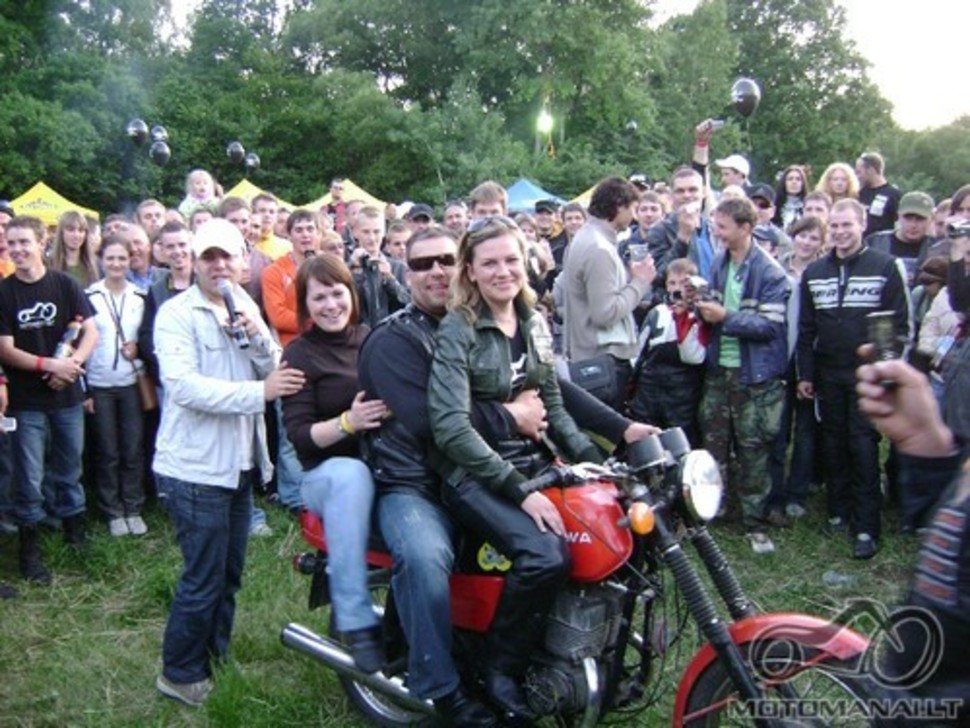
(882, 207)
(36, 315)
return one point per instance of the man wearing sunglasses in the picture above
(394, 365)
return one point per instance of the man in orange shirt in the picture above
(279, 279)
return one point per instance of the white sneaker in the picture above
(260, 530)
(191, 694)
(118, 527)
(136, 526)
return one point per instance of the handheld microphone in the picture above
(238, 332)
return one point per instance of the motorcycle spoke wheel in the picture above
(824, 692)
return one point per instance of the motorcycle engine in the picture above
(584, 622)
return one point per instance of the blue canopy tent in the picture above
(524, 194)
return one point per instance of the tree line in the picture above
(425, 98)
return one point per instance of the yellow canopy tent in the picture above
(584, 198)
(44, 203)
(247, 190)
(351, 192)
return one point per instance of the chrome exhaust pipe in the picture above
(334, 655)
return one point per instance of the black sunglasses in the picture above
(421, 265)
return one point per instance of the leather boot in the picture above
(461, 710)
(75, 531)
(507, 695)
(31, 565)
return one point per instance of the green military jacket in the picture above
(472, 362)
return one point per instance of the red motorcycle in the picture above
(604, 638)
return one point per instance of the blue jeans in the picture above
(118, 423)
(34, 468)
(289, 473)
(212, 529)
(421, 537)
(341, 491)
(6, 477)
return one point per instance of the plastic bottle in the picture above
(65, 347)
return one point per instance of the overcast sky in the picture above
(917, 56)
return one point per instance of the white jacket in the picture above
(107, 367)
(213, 393)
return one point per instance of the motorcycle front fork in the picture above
(702, 609)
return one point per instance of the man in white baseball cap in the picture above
(735, 170)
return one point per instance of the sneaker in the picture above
(191, 694)
(260, 530)
(761, 543)
(864, 547)
(7, 526)
(796, 510)
(118, 527)
(136, 526)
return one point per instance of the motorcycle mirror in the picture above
(644, 454)
(675, 442)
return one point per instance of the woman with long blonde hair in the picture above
(838, 181)
(72, 252)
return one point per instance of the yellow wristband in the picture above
(344, 424)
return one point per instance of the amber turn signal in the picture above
(641, 518)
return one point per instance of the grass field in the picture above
(85, 650)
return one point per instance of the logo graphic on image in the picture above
(40, 315)
(904, 651)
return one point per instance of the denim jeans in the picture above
(212, 529)
(35, 467)
(6, 477)
(118, 438)
(420, 536)
(341, 491)
(289, 473)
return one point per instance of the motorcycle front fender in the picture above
(835, 640)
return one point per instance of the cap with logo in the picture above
(218, 233)
(916, 203)
(737, 162)
(547, 206)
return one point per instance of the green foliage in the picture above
(425, 99)
(818, 105)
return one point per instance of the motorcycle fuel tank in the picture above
(597, 545)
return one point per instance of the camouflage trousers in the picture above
(743, 419)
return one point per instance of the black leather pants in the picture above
(540, 565)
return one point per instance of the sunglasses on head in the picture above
(480, 223)
(424, 264)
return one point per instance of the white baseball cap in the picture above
(735, 161)
(218, 233)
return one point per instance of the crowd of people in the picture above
(352, 360)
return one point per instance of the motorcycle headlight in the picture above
(702, 485)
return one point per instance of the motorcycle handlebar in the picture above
(553, 476)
